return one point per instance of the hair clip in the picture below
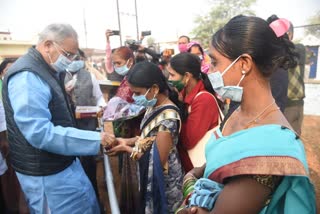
(280, 26)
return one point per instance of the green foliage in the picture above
(219, 15)
(150, 41)
(314, 20)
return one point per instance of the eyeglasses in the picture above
(66, 53)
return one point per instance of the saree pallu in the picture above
(265, 150)
(160, 189)
(124, 167)
(127, 186)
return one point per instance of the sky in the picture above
(167, 19)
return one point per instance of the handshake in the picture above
(108, 140)
(114, 146)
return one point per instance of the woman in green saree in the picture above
(255, 163)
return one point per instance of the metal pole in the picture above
(119, 23)
(113, 201)
(85, 27)
(111, 191)
(137, 23)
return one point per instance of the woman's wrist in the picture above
(129, 149)
(132, 141)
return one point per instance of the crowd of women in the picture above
(254, 160)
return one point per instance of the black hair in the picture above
(145, 74)
(252, 35)
(196, 45)
(293, 55)
(187, 62)
(184, 36)
(5, 62)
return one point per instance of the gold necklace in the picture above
(254, 120)
(257, 118)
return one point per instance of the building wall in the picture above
(13, 49)
(5, 36)
(312, 70)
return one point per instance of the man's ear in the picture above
(47, 45)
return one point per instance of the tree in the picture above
(150, 41)
(314, 22)
(218, 16)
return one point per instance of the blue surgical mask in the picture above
(232, 92)
(141, 100)
(75, 66)
(123, 70)
(61, 64)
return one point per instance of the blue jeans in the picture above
(68, 191)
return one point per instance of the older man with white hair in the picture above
(40, 124)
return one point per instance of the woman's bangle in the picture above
(179, 209)
(134, 153)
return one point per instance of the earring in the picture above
(243, 75)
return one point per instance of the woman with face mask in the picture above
(201, 105)
(155, 150)
(123, 60)
(196, 49)
(118, 63)
(256, 163)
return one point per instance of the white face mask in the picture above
(61, 64)
(232, 92)
(75, 66)
(123, 70)
(141, 100)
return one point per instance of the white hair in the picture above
(57, 33)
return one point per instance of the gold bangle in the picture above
(188, 179)
(134, 153)
(178, 210)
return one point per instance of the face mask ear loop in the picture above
(50, 58)
(225, 70)
(127, 63)
(243, 75)
(154, 96)
(147, 92)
